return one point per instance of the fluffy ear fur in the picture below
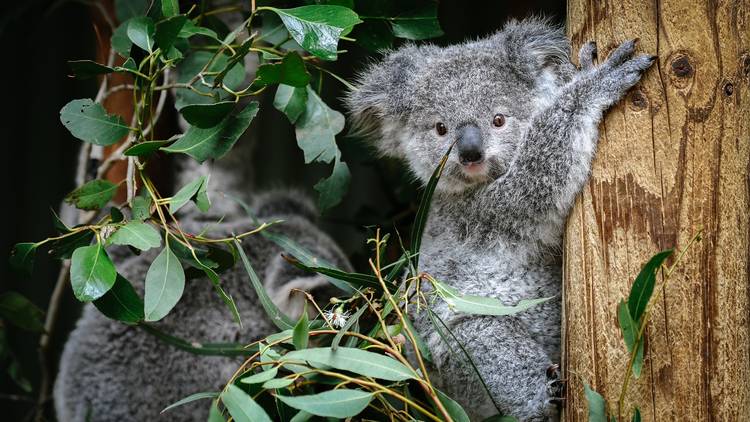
(382, 92)
(537, 48)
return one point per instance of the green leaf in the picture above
(318, 28)
(374, 35)
(597, 406)
(92, 273)
(202, 144)
(300, 335)
(279, 319)
(341, 403)
(144, 148)
(630, 331)
(424, 208)
(480, 305)
(242, 407)
(456, 412)
(136, 234)
(201, 349)
(636, 415)
(190, 29)
(126, 9)
(291, 101)
(87, 121)
(22, 258)
(351, 321)
(500, 418)
(275, 384)
(333, 188)
(115, 215)
(201, 198)
(191, 398)
(421, 345)
(186, 193)
(354, 360)
(291, 71)
(260, 377)
(301, 416)
(214, 415)
(316, 130)
(419, 24)
(93, 195)
(193, 64)
(21, 312)
(168, 30)
(207, 115)
(64, 248)
(165, 282)
(141, 207)
(86, 69)
(16, 374)
(170, 7)
(121, 302)
(643, 286)
(141, 32)
(120, 41)
(353, 279)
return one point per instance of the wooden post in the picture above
(673, 158)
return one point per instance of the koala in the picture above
(522, 120)
(110, 371)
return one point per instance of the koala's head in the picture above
(480, 95)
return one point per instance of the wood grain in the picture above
(673, 158)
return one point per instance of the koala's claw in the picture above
(555, 384)
(621, 54)
(586, 56)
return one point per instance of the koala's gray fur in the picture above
(496, 231)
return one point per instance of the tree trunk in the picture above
(673, 159)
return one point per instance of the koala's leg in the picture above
(512, 364)
(553, 159)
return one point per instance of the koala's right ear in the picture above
(382, 97)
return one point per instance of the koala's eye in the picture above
(440, 128)
(498, 120)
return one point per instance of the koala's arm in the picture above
(512, 364)
(553, 160)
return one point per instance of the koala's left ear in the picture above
(537, 47)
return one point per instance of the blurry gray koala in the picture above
(524, 123)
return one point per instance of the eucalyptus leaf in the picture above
(214, 414)
(597, 406)
(316, 130)
(480, 305)
(121, 302)
(354, 360)
(165, 283)
(22, 258)
(291, 101)
(207, 115)
(89, 122)
(301, 332)
(260, 377)
(303, 416)
(278, 383)
(64, 248)
(86, 69)
(21, 312)
(242, 407)
(333, 188)
(290, 71)
(144, 148)
(191, 398)
(318, 28)
(170, 7)
(136, 234)
(456, 412)
(418, 24)
(185, 194)
(120, 41)
(214, 142)
(643, 286)
(141, 31)
(141, 207)
(630, 330)
(126, 9)
(93, 195)
(340, 403)
(193, 64)
(167, 31)
(190, 29)
(92, 273)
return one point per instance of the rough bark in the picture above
(673, 158)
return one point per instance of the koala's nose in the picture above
(469, 144)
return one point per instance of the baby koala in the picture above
(524, 123)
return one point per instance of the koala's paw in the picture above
(619, 72)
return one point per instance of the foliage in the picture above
(633, 316)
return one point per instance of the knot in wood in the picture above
(638, 101)
(728, 89)
(681, 67)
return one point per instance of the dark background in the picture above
(39, 36)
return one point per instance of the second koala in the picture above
(523, 121)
